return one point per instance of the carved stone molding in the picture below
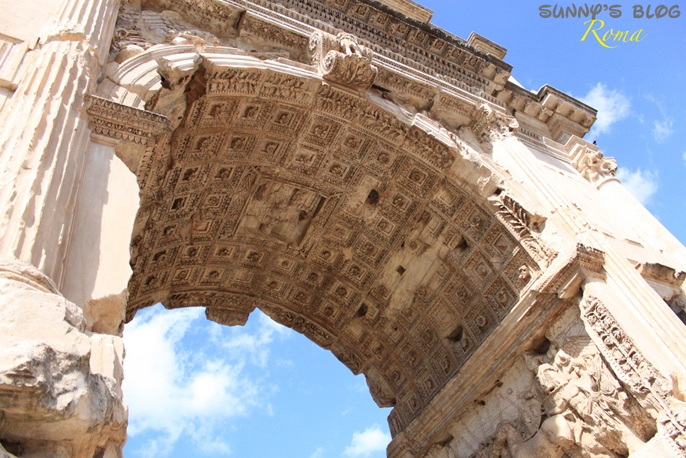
(125, 123)
(343, 59)
(634, 370)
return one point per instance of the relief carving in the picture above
(491, 126)
(651, 389)
(593, 166)
(343, 59)
(586, 412)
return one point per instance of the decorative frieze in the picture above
(125, 123)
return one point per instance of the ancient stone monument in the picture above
(361, 176)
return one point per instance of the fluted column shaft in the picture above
(44, 134)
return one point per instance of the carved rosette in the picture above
(342, 59)
(490, 126)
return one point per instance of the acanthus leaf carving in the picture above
(521, 223)
(343, 59)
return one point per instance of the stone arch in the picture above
(371, 230)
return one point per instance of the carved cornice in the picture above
(585, 262)
(125, 123)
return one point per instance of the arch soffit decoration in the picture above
(376, 233)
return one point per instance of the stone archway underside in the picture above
(331, 215)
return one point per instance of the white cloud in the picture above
(642, 185)
(612, 106)
(684, 156)
(319, 453)
(663, 129)
(173, 393)
(370, 441)
(257, 345)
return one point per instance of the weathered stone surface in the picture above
(60, 383)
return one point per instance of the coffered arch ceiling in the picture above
(334, 212)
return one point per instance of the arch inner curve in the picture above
(332, 212)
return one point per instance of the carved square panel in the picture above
(184, 276)
(305, 159)
(500, 298)
(189, 177)
(284, 266)
(253, 258)
(270, 150)
(221, 254)
(223, 176)
(473, 221)
(204, 147)
(379, 158)
(252, 115)
(242, 279)
(415, 177)
(498, 245)
(342, 232)
(169, 235)
(338, 172)
(480, 321)
(321, 131)
(238, 145)
(194, 255)
(286, 122)
(217, 112)
(325, 257)
(181, 206)
(211, 276)
(447, 199)
(354, 144)
(153, 282)
(478, 269)
(275, 287)
(161, 259)
(330, 312)
(370, 252)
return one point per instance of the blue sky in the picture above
(195, 388)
